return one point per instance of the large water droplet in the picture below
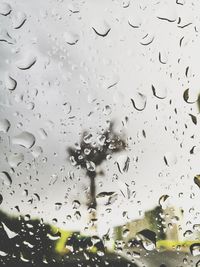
(18, 20)
(10, 82)
(135, 22)
(159, 92)
(167, 12)
(139, 101)
(197, 180)
(6, 178)
(27, 62)
(148, 239)
(195, 249)
(190, 96)
(5, 9)
(101, 28)
(4, 125)
(24, 139)
(10, 234)
(5, 37)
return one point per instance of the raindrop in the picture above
(9, 233)
(159, 92)
(55, 236)
(147, 39)
(148, 239)
(76, 204)
(193, 118)
(58, 206)
(5, 9)
(198, 264)
(190, 96)
(162, 201)
(27, 62)
(42, 133)
(68, 107)
(24, 139)
(167, 13)
(126, 3)
(10, 83)
(5, 37)
(3, 254)
(197, 180)
(180, 2)
(170, 159)
(90, 165)
(18, 20)
(73, 8)
(135, 22)
(162, 58)
(71, 38)
(123, 163)
(15, 159)
(6, 178)
(4, 125)
(139, 101)
(77, 215)
(101, 28)
(87, 138)
(195, 249)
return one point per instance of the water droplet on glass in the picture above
(162, 201)
(6, 178)
(24, 139)
(148, 239)
(10, 83)
(15, 159)
(147, 39)
(101, 28)
(167, 13)
(18, 20)
(195, 249)
(135, 22)
(197, 180)
(10, 234)
(139, 101)
(123, 163)
(159, 92)
(71, 38)
(27, 62)
(5, 9)
(170, 159)
(190, 96)
(4, 125)
(90, 165)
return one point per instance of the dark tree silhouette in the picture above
(90, 155)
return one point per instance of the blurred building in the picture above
(165, 223)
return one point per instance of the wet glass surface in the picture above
(99, 133)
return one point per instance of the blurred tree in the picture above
(89, 154)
